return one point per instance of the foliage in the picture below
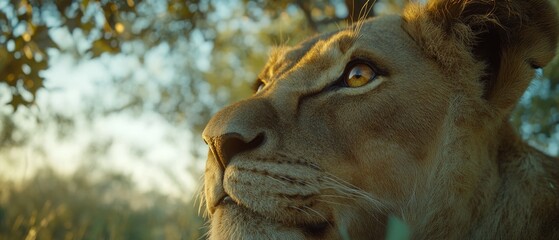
(50, 206)
(24, 39)
(537, 114)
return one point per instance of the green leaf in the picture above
(18, 100)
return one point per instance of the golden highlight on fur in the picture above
(427, 139)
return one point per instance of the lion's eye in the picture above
(359, 75)
(258, 85)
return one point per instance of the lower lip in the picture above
(314, 230)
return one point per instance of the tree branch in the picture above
(307, 12)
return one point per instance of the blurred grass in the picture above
(81, 206)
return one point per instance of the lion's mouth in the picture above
(310, 229)
(315, 230)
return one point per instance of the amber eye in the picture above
(257, 86)
(359, 75)
(260, 86)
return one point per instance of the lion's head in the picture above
(398, 115)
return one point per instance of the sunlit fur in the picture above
(429, 142)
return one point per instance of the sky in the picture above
(154, 153)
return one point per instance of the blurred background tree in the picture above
(70, 69)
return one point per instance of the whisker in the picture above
(334, 203)
(301, 210)
(317, 213)
(364, 12)
(277, 180)
(352, 13)
(370, 8)
(340, 189)
(337, 196)
(346, 188)
(360, 17)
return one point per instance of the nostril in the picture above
(232, 144)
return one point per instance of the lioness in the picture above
(398, 115)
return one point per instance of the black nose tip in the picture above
(226, 146)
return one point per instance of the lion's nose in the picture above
(238, 128)
(225, 146)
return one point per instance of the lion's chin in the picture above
(231, 221)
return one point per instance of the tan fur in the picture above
(428, 141)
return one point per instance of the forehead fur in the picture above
(283, 58)
(382, 35)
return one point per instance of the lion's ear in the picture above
(509, 37)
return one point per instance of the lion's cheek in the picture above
(386, 171)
